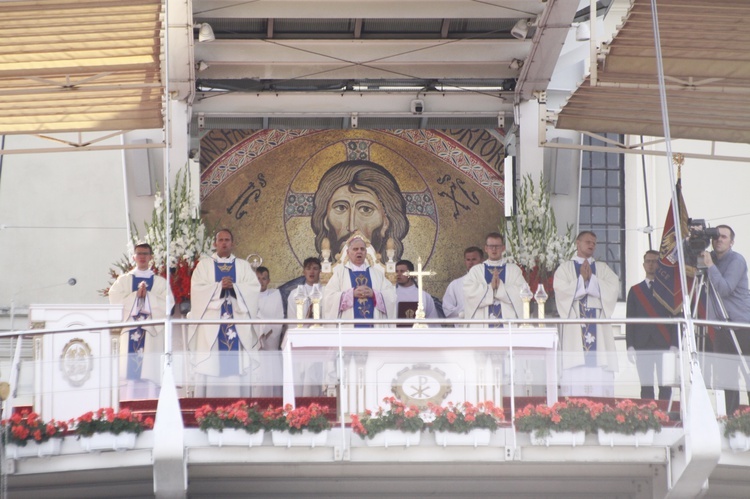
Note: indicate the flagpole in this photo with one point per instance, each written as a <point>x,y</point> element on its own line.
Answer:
<point>675,204</point>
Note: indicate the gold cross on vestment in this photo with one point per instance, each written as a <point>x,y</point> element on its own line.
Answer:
<point>419,274</point>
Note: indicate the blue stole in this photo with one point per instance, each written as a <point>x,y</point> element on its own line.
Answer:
<point>137,336</point>
<point>588,331</point>
<point>496,309</point>
<point>363,307</point>
<point>229,341</point>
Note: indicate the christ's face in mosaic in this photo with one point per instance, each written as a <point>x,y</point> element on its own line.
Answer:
<point>359,195</point>
<point>353,208</point>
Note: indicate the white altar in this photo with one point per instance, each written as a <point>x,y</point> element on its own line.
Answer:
<point>74,372</point>
<point>418,365</point>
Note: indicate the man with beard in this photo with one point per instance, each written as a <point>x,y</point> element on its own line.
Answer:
<point>362,196</point>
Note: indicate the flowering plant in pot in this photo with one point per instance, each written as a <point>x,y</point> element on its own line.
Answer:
<point>532,237</point>
<point>238,415</point>
<point>396,417</point>
<point>628,418</point>
<point>739,422</point>
<point>22,428</point>
<point>572,415</point>
<point>296,420</point>
<point>106,420</point>
<point>462,418</point>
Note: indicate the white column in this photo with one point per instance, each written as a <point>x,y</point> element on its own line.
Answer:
<point>530,156</point>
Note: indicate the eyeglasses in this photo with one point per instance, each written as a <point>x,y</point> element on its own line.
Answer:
<point>143,254</point>
<point>494,246</point>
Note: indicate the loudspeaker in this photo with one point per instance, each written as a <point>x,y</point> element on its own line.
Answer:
<point>561,167</point>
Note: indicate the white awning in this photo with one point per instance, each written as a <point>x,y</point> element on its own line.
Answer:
<point>80,65</point>
<point>706,66</point>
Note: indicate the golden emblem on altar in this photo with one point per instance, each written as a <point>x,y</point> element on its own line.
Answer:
<point>76,362</point>
<point>420,385</point>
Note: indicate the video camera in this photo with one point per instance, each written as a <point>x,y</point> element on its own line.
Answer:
<point>698,240</point>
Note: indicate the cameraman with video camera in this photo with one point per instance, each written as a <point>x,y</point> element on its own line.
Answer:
<point>727,274</point>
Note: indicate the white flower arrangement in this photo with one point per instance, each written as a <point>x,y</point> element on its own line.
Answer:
<point>188,234</point>
<point>189,238</point>
<point>531,237</point>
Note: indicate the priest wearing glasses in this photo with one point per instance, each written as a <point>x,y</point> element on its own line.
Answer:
<point>358,290</point>
<point>144,296</point>
<point>224,356</point>
<point>492,290</point>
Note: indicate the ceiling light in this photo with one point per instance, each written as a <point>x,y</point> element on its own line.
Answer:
<point>583,32</point>
<point>520,29</point>
<point>205,32</point>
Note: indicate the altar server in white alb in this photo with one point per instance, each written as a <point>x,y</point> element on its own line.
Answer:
<point>270,306</point>
<point>311,272</point>
<point>357,290</point>
<point>492,290</point>
<point>407,295</point>
<point>223,356</point>
<point>310,369</point>
<point>587,288</point>
<point>143,296</point>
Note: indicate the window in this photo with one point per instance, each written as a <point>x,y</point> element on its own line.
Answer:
<point>601,204</point>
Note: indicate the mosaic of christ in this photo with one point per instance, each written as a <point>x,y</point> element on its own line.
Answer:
<point>283,192</point>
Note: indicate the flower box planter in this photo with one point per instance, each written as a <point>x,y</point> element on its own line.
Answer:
<point>394,438</point>
<point>108,441</point>
<point>639,438</point>
<point>739,442</point>
<point>34,449</point>
<point>304,439</point>
<point>235,437</point>
<point>474,438</point>
<point>572,438</point>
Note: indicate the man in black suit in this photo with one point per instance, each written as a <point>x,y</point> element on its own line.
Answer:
<point>647,342</point>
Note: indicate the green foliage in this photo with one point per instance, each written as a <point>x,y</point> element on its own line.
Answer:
<point>296,420</point>
<point>239,415</point>
<point>628,418</point>
<point>739,422</point>
<point>568,415</point>
<point>106,420</point>
<point>397,417</point>
<point>465,417</point>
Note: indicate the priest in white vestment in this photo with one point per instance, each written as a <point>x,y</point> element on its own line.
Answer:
<point>453,299</point>
<point>270,306</point>
<point>358,290</point>
<point>407,295</point>
<point>223,356</point>
<point>492,290</point>
<point>143,296</point>
<point>587,288</point>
